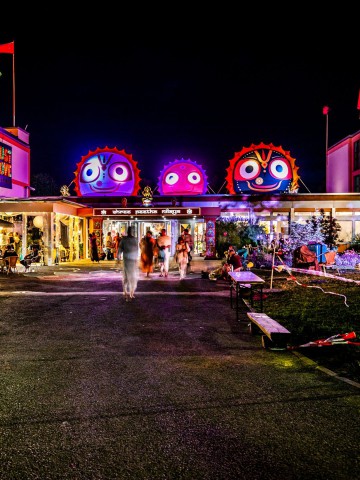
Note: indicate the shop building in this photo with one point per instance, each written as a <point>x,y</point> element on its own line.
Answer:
<point>108,200</point>
<point>61,225</point>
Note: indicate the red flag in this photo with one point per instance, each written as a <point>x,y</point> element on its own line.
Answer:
<point>358,105</point>
<point>7,48</point>
<point>326,110</point>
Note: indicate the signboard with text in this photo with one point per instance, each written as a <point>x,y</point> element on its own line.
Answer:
<point>5,166</point>
<point>147,212</point>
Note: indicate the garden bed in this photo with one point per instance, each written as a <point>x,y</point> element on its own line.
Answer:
<point>316,307</point>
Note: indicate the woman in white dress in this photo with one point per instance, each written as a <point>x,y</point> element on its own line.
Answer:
<point>182,256</point>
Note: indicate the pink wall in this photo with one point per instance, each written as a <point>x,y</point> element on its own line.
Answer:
<point>18,140</point>
<point>340,172</point>
<point>338,169</point>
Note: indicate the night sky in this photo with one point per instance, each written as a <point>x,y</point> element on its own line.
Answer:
<point>165,93</point>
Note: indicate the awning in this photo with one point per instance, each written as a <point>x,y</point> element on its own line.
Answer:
<point>5,224</point>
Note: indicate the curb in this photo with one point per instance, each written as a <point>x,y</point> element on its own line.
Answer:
<point>307,361</point>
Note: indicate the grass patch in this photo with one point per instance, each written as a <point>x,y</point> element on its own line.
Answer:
<point>313,308</point>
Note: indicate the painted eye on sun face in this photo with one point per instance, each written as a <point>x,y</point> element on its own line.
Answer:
<point>120,172</point>
<point>280,169</point>
<point>247,169</point>
<point>90,171</point>
<point>171,178</point>
<point>194,178</point>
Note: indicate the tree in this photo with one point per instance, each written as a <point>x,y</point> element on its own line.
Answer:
<point>237,231</point>
<point>305,233</point>
<point>330,229</point>
<point>318,229</point>
<point>226,234</point>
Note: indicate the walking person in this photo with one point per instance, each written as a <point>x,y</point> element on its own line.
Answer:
<point>109,247</point>
<point>117,240</point>
<point>130,252</point>
<point>182,256</point>
<point>164,245</point>
<point>147,246</point>
<point>94,254</point>
<point>189,240</point>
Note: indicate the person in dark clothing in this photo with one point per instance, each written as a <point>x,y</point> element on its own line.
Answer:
<point>9,252</point>
<point>234,261</point>
<point>94,254</point>
<point>32,256</point>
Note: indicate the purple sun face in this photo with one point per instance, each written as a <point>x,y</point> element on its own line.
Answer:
<point>106,173</point>
<point>182,177</point>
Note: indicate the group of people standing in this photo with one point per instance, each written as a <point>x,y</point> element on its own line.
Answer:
<point>160,249</point>
<point>111,250</point>
<point>152,250</point>
<point>149,249</point>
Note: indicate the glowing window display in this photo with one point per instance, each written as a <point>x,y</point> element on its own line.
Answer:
<point>5,166</point>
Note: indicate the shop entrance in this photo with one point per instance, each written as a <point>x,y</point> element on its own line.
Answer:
<point>154,227</point>
<point>173,229</point>
<point>198,233</point>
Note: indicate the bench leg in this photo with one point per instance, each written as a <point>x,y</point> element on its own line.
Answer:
<point>269,344</point>
<point>253,329</point>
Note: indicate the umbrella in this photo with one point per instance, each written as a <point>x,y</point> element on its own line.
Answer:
<point>5,223</point>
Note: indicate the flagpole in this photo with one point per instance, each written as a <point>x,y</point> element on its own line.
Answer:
<point>326,113</point>
<point>13,73</point>
<point>327,138</point>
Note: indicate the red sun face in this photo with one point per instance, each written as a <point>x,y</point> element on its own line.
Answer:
<point>261,169</point>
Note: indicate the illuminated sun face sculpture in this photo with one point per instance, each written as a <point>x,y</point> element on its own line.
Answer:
<point>182,177</point>
<point>107,172</point>
<point>262,169</point>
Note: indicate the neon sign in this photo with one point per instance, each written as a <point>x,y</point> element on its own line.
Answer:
<point>5,166</point>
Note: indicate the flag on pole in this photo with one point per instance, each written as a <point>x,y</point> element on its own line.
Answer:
<point>358,104</point>
<point>326,110</point>
<point>7,48</point>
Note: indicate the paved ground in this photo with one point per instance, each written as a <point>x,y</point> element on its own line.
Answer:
<point>168,386</point>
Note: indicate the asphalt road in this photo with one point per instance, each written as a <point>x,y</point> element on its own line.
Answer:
<point>168,386</point>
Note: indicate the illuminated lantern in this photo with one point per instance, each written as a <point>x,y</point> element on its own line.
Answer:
<point>107,172</point>
<point>182,177</point>
<point>38,222</point>
<point>261,169</point>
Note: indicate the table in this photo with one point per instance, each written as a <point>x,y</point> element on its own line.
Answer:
<point>242,280</point>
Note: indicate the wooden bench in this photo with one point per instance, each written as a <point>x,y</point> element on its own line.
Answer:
<point>242,283</point>
<point>276,336</point>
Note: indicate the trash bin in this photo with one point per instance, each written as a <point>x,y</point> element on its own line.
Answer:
<point>319,249</point>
